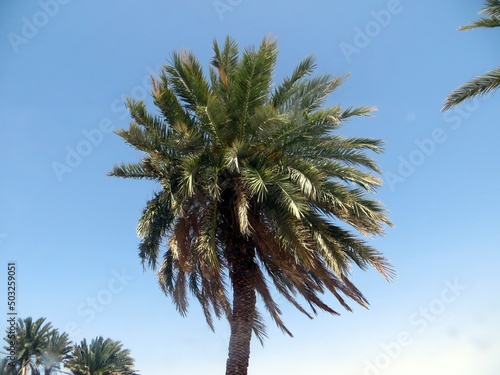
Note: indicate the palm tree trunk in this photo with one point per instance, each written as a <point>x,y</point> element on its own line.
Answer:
<point>242,274</point>
<point>24,367</point>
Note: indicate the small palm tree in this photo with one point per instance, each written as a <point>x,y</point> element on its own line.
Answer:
<point>101,357</point>
<point>255,190</point>
<point>31,340</point>
<point>489,81</point>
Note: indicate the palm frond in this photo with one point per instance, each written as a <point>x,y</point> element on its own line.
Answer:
<point>252,82</point>
<point>258,327</point>
<point>284,90</point>
<point>133,170</point>
<point>154,223</point>
<point>492,9</point>
<point>309,95</point>
<point>187,80</point>
<point>225,60</point>
<point>357,111</point>
<point>483,84</point>
<point>480,85</point>
<point>482,22</point>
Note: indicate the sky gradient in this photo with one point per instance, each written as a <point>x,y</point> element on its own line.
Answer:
<point>67,67</point>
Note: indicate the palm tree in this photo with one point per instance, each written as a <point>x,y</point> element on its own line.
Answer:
<point>101,357</point>
<point>56,352</point>
<point>31,340</point>
<point>255,189</point>
<point>38,347</point>
<point>489,81</point>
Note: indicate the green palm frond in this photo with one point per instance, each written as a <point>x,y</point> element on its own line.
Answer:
<point>259,328</point>
<point>250,83</point>
<point>485,83</point>
<point>134,170</point>
<point>154,223</point>
<point>187,79</point>
<point>480,85</point>
<point>308,95</point>
<point>225,59</point>
<point>357,111</point>
<point>492,10</point>
<point>482,22</point>
<point>285,89</point>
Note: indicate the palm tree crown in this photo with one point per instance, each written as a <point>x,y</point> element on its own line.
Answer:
<point>100,357</point>
<point>489,81</point>
<point>255,189</point>
<point>30,342</point>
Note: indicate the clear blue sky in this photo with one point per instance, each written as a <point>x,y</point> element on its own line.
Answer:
<point>66,67</point>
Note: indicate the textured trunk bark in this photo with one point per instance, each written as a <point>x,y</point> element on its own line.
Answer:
<point>242,274</point>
